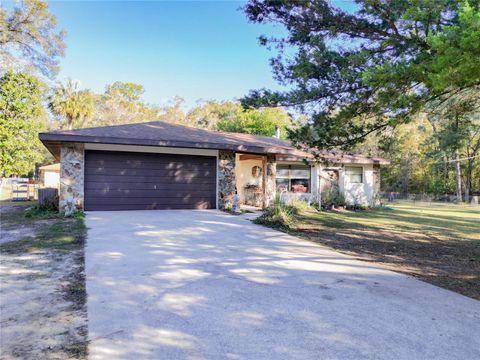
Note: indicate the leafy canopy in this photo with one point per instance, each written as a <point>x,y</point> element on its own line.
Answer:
<point>21,118</point>
<point>257,122</point>
<point>356,73</point>
<point>29,33</point>
<point>74,106</point>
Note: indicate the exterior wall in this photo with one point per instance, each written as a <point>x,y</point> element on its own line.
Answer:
<point>243,175</point>
<point>315,182</point>
<point>270,180</point>
<point>376,184</point>
<point>72,163</point>
<point>226,179</point>
<point>360,194</point>
<point>51,179</point>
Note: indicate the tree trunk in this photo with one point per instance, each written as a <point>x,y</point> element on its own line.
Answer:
<point>69,123</point>
<point>468,179</point>
<point>458,177</point>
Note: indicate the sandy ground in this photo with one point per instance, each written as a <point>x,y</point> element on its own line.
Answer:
<point>37,319</point>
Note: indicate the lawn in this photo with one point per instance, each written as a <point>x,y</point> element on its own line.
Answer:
<point>43,311</point>
<point>437,243</point>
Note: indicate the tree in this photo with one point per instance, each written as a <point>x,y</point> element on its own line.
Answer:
<point>207,114</point>
<point>121,104</point>
<point>73,105</point>
<point>29,32</point>
<point>258,122</point>
<point>174,113</point>
<point>456,121</point>
<point>366,71</point>
<point>129,92</point>
<point>21,118</point>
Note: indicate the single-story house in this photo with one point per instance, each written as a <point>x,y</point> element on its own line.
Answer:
<point>50,175</point>
<point>158,165</point>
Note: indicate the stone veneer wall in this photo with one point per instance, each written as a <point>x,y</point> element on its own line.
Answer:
<point>72,162</point>
<point>226,179</point>
<point>270,181</point>
<point>376,184</point>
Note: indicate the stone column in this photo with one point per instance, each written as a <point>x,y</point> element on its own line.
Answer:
<point>270,180</point>
<point>72,162</point>
<point>226,179</point>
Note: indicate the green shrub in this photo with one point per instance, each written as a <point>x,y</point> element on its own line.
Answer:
<point>77,214</point>
<point>299,206</point>
<point>41,212</point>
<point>278,214</point>
<point>332,198</point>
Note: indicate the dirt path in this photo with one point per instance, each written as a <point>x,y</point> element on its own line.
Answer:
<point>42,313</point>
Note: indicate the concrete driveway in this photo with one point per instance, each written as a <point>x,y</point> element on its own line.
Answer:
<point>207,285</point>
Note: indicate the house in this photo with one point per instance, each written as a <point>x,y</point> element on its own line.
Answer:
<point>158,165</point>
<point>50,175</point>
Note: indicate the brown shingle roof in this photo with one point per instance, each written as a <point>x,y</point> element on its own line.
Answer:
<point>158,133</point>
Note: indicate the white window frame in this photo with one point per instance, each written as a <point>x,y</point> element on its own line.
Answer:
<point>347,179</point>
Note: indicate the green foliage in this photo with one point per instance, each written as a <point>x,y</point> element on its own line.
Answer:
<point>28,32</point>
<point>281,215</point>
<point>208,114</point>
<point>456,50</point>
<point>77,214</point>
<point>74,106</point>
<point>121,104</point>
<point>42,212</point>
<point>258,122</point>
<point>129,92</point>
<point>332,197</point>
<point>356,73</point>
<point>21,118</point>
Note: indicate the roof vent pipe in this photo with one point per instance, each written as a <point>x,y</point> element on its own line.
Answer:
<point>277,132</point>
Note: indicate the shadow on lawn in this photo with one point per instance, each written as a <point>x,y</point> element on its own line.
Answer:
<point>434,249</point>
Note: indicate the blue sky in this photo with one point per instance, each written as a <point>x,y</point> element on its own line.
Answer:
<point>197,50</point>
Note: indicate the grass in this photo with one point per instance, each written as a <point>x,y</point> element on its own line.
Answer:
<point>437,243</point>
<point>58,236</point>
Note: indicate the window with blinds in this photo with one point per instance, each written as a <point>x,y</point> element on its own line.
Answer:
<point>354,174</point>
<point>293,178</point>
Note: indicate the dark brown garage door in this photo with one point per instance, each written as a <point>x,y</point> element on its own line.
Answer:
<point>138,181</point>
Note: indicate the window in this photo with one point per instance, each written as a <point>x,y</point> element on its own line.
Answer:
<point>354,174</point>
<point>294,178</point>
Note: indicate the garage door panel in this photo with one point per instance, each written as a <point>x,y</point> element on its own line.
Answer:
<point>112,207</point>
<point>152,200</point>
<point>153,193</point>
<point>143,179</point>
<point>174,165</point>
<point>207,174</point>
<point>129,181</point>
<point>92,186</point>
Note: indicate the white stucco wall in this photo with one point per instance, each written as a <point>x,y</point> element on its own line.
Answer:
<point>51,179</point>
<point>243,175</point>
<point>361,194</point>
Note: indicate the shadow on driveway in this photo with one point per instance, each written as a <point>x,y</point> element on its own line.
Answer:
<point>208,285</point>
